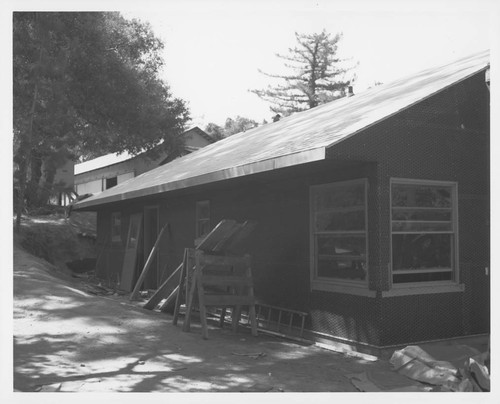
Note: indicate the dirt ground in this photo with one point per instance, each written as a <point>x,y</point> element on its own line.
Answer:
<point>66,339</point>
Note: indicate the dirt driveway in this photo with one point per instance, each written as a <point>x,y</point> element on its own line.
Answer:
<point>68,340</point>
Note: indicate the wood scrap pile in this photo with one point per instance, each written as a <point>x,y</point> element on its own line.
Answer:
<point>97,289</point>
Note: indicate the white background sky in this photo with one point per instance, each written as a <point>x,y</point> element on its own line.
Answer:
<point>213,49</point>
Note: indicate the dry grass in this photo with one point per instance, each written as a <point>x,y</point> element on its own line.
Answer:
<point>55,238</point>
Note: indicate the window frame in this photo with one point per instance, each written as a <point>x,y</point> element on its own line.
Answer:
<point>109,179</point>
<point>198,219</point>
<point>357,287</point>
<point>116,238</point>
<point>437,286</point>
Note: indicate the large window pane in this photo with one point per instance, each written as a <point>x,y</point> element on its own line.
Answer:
<point>341,220</point>
<point>340,196</point>
<point>342,245</point>
<point>421,251</point>
<point>339,231</point>
<point>341,257</point>
<point>424,232</point>
<point>421,196</point>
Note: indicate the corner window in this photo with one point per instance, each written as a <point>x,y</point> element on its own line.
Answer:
<point>202,218</point>
<point>116,227</point>
<point>424,231</point>
<point>339,232</point>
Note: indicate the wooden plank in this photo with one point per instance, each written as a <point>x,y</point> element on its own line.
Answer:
<point>189,303</point>
<point>220,260</point>
<point>228,300</point>
<point>216,235</point>
<point>147,265</point>
<point>201,299</point>
<point>251,308</point>
<point>162,290</point>
<point>226,280</point>
<point>238,239</point>
<point>227,236</point>
<point>130,258</point>
<point>182,281</point>
<point>169,299</point>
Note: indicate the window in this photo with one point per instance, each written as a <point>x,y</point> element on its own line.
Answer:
<point>424,234</point>
<point>111,182</point>
<point>338,232</point>
<point>202,218</point>
<point>116,226</point>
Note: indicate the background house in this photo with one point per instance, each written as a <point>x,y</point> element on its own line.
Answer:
<point>372,210</point>
<point>105,172</point>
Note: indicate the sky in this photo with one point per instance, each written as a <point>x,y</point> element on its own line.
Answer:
<point>214,49</point>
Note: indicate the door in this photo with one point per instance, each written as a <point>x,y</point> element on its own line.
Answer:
<point>151,231</point>
<point>130,260</point>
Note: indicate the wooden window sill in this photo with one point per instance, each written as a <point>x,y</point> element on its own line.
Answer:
<point>408,290</point>
<point>349,289</point>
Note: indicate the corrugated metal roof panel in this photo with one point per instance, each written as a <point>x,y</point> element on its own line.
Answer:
<point>297,139</point>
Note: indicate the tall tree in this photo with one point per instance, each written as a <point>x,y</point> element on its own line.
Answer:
<point>86,84</point>
<point>316,75</point>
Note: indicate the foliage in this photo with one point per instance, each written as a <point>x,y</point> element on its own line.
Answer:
<point>316,75</point>
<point>231,127</point>
<point>86,84</point>
<point>215,131</point>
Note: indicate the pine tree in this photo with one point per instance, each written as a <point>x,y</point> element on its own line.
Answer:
<point>317,75</point>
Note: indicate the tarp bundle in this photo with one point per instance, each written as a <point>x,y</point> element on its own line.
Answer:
<point>471,375</point>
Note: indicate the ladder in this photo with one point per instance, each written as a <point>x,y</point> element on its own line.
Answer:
<point>266,319</point>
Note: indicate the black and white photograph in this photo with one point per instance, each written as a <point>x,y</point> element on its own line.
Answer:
<point>275,197</point>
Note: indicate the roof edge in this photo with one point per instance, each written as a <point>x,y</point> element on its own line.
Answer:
<point>307,156</point>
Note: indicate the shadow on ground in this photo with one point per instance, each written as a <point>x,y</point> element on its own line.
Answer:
<point>68,340</point>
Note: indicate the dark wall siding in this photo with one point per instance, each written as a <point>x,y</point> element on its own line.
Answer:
<point>416,318</point>
<point>354,318</point>
<point>436,147</point>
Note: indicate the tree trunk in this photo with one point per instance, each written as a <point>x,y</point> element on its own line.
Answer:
<point>25,148</point>
<point>33,189</point>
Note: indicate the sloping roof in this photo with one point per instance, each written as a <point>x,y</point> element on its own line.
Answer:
<point>297,139</point>
<point>115,158</point>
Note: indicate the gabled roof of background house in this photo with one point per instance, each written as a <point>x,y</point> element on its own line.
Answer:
<point>297,139</point>
<point>115,158</point>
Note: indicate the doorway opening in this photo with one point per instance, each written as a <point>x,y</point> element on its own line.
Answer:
<point>151,231</point>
